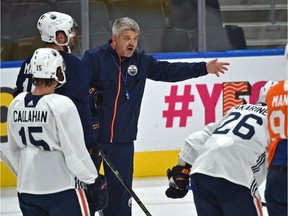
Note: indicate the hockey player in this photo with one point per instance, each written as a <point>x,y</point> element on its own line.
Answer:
<point>58,31</point>
<point>276,183</point>
<point>46,139</point>
<point>228,161</point>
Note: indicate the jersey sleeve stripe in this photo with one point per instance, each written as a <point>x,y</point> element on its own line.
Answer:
<point>83,202</point>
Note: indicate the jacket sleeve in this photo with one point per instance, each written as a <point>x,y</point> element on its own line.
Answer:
<point>174,72</point>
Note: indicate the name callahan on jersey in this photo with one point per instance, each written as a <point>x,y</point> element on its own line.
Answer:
<point>30,116</point>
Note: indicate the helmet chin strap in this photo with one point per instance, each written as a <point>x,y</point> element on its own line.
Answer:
<point>68,49</point>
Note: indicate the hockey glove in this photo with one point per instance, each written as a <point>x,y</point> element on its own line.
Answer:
<point>95,99</point>
<point>178,182</point>
<point>95,155</point>
<point>97,194</point>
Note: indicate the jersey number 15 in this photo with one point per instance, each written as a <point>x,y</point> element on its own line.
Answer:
<point>38,143</point>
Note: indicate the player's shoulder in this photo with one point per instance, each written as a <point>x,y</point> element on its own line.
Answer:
<point>27,60</point>
<point>60,104</point>
<point>98,50</point>
<point>25,65</point>
<point>72,62</point>
<point>280,87</point>
<point>59,100</point>
<point>69,57</point>
<point>93,50</point>
<point>20,97</point>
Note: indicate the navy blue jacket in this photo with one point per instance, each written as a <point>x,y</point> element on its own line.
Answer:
<point>76,88</point>
<point>118,115</point>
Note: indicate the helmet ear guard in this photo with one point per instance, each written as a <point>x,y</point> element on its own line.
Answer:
<point>52,22</point>
<point>264,90</point>
<point>45,64</point>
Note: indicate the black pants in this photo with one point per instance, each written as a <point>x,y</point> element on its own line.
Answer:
<point>276,192</point>
<point>122,157</point>
<point>57,204</point>
<point>219,197</point>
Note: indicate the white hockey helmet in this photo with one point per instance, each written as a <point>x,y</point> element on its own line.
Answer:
<point>52,22</point>
<point>44,65</point>
<point>264,90</point>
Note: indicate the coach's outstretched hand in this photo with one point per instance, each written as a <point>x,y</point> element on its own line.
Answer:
<point>178,182</point>
<point>215,67</point>
<point>97,194</point>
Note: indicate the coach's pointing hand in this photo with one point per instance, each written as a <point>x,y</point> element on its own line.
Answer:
<point>215,67</point>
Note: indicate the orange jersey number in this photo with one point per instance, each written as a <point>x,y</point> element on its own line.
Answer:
<point>277,105</point>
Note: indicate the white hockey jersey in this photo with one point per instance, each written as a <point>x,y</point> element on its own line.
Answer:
<point>234,148</point>
<point>46,140</point>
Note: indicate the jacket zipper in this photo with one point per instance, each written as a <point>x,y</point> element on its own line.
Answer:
<point>116,101</point>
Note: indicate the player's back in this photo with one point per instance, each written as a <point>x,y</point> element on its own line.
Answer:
<point>277,103</point>
<point>76,88</point>
<point>239,142</point>
<point>75,73</point>
<point>33,128</point>
<point>24,82</point>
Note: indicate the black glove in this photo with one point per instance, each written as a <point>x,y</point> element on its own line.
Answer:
<point>178,181</point>
<point>95,99</point>
<point>97,194</point>
<point>95,155</point>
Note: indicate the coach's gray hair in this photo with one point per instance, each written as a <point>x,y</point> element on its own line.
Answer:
<point>123,24</point>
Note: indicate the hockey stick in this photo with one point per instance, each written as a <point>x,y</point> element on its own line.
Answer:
<point>188,187</point>
<point>7,162</point>
<point>124,183</point>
